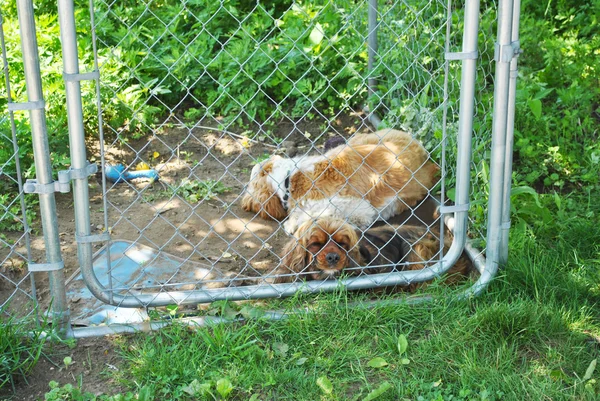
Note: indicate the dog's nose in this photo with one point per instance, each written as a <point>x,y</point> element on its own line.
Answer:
<point>332,258</point>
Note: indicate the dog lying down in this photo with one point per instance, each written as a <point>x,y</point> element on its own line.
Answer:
<point>328,247</point>
<point>373,176</point>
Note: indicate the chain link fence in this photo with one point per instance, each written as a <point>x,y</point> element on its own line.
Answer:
<point>18,299</point>
<point>184,114</point>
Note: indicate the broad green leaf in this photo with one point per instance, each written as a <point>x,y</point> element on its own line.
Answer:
<point>317,34</point>
<point>301,361</point>
<point>383,387</point>
<point>325,385</point>
<point>536,107</point>
<point>402,344</point>
<point>377,362</point>
<point>224,387</point>
<point>590,370</point>
<point>281,348</point>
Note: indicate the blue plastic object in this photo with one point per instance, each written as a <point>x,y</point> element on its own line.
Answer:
<point>118,174</point>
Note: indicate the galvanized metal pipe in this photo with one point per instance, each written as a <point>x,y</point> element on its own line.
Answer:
<point>19,176</point>
<point>510,131</point>
<point>43,163</point>
<point>66,18</point>
<point>372,45</point>
<point>501,86</point>
<point>465,122</point>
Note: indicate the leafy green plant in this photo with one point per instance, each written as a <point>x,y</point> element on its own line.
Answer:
<point>68,392</point>
<point>21,344</point>
<point>198,191</point>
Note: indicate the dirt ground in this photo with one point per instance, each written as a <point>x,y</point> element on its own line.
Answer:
<point>215,231</point>
<point>90,359</point>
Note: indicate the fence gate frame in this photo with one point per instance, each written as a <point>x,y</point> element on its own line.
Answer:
<point>507,50</point>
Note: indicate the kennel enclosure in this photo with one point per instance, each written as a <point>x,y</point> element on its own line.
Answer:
<point>342,68</point>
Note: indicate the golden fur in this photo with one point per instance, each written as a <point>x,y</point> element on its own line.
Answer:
<point>325,248</point>
<point>374,167</point>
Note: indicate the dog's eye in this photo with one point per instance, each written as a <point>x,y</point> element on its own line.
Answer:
<point>343,245</point>
<point>314,245</point>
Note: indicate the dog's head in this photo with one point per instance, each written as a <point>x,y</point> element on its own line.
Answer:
<point>266,188</point>
<point>322,248</point>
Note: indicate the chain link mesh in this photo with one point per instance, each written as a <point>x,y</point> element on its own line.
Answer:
<point>202,92</point>
<point>17,287</point>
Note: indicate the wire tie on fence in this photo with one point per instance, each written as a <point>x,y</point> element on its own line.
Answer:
<point>45,267</point>
<point>37,105</point>
<point>86,76</point>
<point>455,208</point>
<point>32,187</point>
<point>88,239</point>
<point>65,176</point>
<point>462,55</point>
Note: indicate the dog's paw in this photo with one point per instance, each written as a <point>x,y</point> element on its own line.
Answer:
<point>290,225</point>
<point>361,222</point>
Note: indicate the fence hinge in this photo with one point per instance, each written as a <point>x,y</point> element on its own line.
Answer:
<point>86,76</point>
<point>36,105</point>
<point>45,267</point>
<point>87,239</point>
<point>505,53</point>
<point>454,208</point>
<point>32,187</point>
<point>63,184</point>
<point>65,176</point>
<point>462,55</point>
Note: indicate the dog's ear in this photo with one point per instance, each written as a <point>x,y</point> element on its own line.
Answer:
<point>265,203</point>
<point>293,260</point>
<point>272,208</point>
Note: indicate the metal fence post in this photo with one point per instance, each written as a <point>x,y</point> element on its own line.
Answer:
<point>372,45</point>
<point>43,165</point>
<point>465,122</point>
<point>510,128</point>
<point>68,36</point>
<point>503,54</point>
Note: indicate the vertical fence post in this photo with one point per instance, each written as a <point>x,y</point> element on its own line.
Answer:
<point>68,36</point>
<point>372,53</point>
<point>466,111</point>
<point>504,54</point>
<point>43,164</point>
<point>510,130</point>
<point>372,45</point>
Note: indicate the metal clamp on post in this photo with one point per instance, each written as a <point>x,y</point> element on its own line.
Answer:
<point>65,176</point>
<point>46,267</point>
<point>86,76</point>
<point>88,239</point>
<point>505,226</point>
<point>462,56</point>
<point>505,53</point>
<point>32,187</point>
<point>37,105</point>
<point>454,208</point>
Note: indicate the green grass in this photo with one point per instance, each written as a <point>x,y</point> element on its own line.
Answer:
<point>21,344</point>
<point>532,335</point>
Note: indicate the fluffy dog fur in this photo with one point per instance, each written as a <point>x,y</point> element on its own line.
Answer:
<point>375,177</point>
<point>327,247</point>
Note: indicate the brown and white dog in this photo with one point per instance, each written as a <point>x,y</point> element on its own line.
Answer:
<point>325,248</point>
<point>372,177</point>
